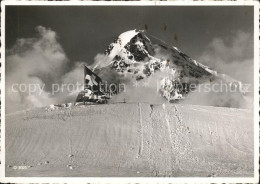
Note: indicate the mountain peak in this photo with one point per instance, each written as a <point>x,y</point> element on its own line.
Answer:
<point>125,37</point>
<point>132,54</point>
<point>122,43</point>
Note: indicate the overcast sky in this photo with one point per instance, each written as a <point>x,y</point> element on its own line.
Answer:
<point>85,31</point>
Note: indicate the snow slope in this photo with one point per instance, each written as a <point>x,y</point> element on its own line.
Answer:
<point>130,140</point>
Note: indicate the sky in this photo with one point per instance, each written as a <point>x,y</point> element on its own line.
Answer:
<point>84,31</point>
<point>47,45</point>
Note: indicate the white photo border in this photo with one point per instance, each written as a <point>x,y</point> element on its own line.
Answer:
<point>254,179</point>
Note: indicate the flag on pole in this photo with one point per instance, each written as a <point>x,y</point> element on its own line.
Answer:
<point>92,81</point>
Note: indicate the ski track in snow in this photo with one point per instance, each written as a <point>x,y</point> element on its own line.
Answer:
<point>131,140</point>
<point>141,130</point>
<point>171,141</point>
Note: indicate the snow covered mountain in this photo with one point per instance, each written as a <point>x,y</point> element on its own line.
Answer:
<point>134,54</point>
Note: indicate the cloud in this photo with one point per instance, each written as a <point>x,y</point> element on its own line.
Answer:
<point>41,57</point>
<point>206,95</point>
<point>100,61</point>
<point>146,90</point>
<point>36,62</point>
<point>233,56</point>
<point>74,75</point>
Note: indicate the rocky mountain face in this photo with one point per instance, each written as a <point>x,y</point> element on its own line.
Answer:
<point>135,56</point>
